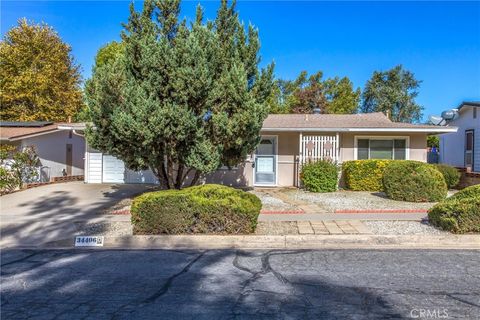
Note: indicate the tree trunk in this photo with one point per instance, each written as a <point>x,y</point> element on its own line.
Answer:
<point>179,178</point>
<point>169,170</point>
<point>195,178</point>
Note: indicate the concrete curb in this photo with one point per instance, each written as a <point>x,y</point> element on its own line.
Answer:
<point>283,242</point>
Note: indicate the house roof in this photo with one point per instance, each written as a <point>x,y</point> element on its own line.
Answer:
<point>17,130</point>
<point>469,104</point>
<point>362,122</point>
<point>373,122</point>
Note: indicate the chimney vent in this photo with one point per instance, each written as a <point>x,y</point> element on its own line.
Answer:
<point>388,113</point>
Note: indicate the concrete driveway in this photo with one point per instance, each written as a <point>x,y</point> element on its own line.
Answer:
<point>46,213</point>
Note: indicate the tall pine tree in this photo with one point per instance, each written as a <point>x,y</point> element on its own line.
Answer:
<point>182,99</point>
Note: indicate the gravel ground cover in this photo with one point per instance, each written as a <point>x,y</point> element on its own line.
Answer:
<point>402,228</point>
<point>272,203</point>
<point>353,200</point>
<point>123,204</point>
<point>112,228</point>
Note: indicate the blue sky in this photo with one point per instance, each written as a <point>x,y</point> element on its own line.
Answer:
<point>438,41</point>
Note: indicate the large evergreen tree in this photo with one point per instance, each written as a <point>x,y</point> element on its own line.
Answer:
<point>39,79</point>
<point>394,92</point>
<point>181,100</point>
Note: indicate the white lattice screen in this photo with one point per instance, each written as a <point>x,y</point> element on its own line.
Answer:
<point>319,147</point>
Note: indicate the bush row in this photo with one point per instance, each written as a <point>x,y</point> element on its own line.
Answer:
<point>210,208</point>
<point>403,180</point>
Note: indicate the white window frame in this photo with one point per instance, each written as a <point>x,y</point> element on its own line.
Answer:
<point>406,138</point>
<point>276,162</point>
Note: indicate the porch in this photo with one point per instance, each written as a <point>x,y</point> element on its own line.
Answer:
<point>280,155</point>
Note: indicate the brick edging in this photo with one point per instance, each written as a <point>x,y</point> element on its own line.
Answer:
<point>282,212</point>
<point>381,211</point>
<point>119,212</point>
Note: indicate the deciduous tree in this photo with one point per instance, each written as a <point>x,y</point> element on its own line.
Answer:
<point>394,92</point>
<point>302,95</point>
<point>39,79</point>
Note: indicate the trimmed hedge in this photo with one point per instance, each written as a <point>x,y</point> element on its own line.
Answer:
<point>473,191</point>
<point>460,213</point>
<point>414,181</point>
<point>320,176</point>
<point>450,174</point>
<point>201,209</point>
<point>364,175</point>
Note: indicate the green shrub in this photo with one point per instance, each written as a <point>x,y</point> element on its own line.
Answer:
<point>320,176</point>
<point>450,174</point>
<point>413,181</point>
<point>459,213</point>
<point>472,191</point>
<point>364,175</point>
<point>200,209</point>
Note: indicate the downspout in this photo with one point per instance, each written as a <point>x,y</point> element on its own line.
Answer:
<point>85,156</point>
<point>300,157</point>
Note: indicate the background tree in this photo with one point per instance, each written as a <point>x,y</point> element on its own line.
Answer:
<point>333,95</point>
<point>433,141</point>
<point>39,79</point>
<point>340,96</point>
<point>182,100</point>
<point>107,54</point>
<point>393,91</point>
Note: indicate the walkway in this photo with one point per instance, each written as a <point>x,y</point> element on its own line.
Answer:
<point>331,227</point>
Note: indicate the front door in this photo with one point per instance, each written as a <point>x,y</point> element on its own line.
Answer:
<point>265,164</point>
<point>68,161</point>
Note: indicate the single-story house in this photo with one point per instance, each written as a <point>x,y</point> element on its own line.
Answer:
<point>287,141</point>
<point>462,148</point>
<point>61,152</point>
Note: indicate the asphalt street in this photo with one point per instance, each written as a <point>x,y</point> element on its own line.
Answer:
<point>229,284</point>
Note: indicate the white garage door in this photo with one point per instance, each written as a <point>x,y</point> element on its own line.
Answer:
<point>94,173</point>
<point>113,170</point>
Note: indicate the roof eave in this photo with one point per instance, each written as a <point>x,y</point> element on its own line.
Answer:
<point>30,135</point>
<point>407,130</point>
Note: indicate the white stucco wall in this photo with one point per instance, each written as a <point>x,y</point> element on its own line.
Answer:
<point>452,145</point>
<point>51,149</point>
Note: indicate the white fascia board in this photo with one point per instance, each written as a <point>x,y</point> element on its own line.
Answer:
<point>407,130</point>
<point>413,130</point>
<point>304,129</point>
<point>67,127</point>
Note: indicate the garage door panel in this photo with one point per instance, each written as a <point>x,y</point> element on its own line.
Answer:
<point>94,168</point>
<point>113,170</point>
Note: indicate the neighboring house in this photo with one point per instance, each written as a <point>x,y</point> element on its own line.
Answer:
<point>60,151</point>
<point>462,148</point>
<point>290,140</point>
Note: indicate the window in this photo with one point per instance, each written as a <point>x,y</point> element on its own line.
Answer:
<point>474,113</point>
<point>469,143</point>
<point>381,149</point>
